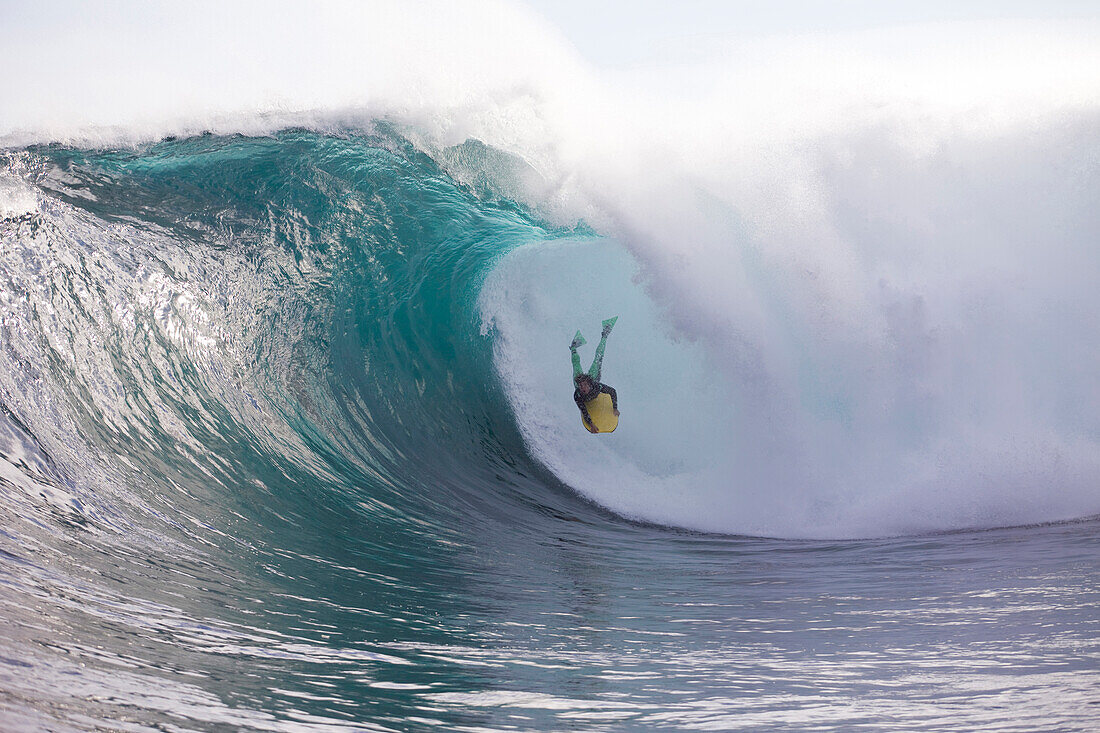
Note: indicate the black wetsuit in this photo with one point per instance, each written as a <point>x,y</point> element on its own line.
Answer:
<point>581,399</point>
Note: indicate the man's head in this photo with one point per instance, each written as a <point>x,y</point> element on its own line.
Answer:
<point>585,383</point>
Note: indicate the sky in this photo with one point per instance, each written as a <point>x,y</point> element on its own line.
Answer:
<point>71,65</point>
<point>651,32</point>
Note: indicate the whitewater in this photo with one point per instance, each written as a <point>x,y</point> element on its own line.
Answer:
<point>287,437</point>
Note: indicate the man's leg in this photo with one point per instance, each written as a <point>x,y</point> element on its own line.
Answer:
<point>597,363</point>
<point>578,340</point>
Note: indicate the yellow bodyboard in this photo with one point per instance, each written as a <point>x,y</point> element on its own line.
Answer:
<point>602,414</point>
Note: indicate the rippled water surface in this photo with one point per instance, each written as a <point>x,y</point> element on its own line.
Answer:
<point>595,627</point>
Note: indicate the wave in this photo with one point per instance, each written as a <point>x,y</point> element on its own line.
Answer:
<point>310,310</point>
<point>855,300</point>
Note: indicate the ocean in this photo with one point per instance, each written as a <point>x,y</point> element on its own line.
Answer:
<point>287,438</point>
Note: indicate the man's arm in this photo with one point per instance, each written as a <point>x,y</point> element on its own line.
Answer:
<point>614,396</point>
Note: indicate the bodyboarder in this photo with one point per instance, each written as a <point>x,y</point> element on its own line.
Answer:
<point>588,385</point>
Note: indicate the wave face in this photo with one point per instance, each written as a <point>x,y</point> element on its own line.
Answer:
<point>297,408</point>
<point>855,270</point>
<point>349,305</point>
<point>293,310</point>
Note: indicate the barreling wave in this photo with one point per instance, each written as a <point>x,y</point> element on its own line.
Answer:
<point>855,270</point>
<point>216,319</point>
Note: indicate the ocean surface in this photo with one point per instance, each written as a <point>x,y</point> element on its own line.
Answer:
<point>287,438</point>
<point>261,470</point>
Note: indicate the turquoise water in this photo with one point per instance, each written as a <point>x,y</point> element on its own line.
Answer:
<point>280,450</point>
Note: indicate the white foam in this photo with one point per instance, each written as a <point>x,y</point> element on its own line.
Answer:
<point>17,198</point>
<point>675,424</point>
<point>877,246</point>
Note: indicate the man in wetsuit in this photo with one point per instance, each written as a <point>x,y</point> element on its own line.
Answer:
<point>588,384</point>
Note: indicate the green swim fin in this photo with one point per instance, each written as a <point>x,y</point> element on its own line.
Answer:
<point>608,325</point>
<point>578,340</point>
